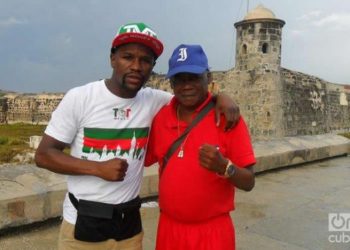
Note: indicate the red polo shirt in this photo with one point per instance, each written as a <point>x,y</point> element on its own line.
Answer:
<point>187,191</point>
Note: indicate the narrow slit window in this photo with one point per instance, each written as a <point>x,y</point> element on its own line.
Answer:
<point>244,49</point>
<point>265,48</point>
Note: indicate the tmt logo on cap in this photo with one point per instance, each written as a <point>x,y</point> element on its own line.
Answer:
<point>138,33</point>
<point>187,58</point>
<point>137,28</point>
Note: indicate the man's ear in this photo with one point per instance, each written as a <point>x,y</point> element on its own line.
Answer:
<point>111,59</point>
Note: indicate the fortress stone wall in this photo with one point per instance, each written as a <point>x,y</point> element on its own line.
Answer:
<point>314,106</point>
<point>275,102</point>
<point>34,109</point>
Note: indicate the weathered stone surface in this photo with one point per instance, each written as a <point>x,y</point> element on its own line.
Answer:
<point>29,108</point>
<point>34,141</point>
<point>289,151</point>
<point>29,194</point>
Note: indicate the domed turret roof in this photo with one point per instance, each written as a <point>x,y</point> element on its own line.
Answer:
<point>260,12</point>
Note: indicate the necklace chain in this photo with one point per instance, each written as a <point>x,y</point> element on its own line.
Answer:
<point>181,152</point>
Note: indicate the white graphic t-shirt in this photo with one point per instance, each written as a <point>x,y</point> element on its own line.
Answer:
<point>100,126</point>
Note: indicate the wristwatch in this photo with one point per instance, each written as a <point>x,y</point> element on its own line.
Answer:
<point>230,170</point>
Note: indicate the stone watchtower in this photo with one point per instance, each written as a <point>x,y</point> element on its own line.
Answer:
<point>258,62</point>
<point>258,41</point>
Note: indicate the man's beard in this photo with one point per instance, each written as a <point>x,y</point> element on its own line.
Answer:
<point>125,86</point>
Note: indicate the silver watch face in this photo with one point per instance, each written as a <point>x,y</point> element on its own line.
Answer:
<point>231,170</point>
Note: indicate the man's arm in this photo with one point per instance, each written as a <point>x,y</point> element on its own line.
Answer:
<point>50,155</point>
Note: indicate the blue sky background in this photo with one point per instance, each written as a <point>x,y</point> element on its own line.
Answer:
<point>52,46</point>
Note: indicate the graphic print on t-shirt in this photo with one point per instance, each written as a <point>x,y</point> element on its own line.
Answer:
<point>109,143</point>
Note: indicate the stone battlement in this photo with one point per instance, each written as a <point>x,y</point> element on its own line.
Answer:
<point>33,108</point>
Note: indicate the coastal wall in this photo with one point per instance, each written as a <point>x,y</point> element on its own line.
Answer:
<point>314,106</point>
<point>35,109</point>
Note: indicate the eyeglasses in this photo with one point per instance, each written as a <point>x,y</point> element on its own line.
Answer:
<point>187,77</point>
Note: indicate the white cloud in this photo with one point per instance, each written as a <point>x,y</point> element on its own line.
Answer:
<point>334,21</point>
<point>297,32</point>
<point>10,22</point>
<point>311,15</point>
<point>322,21</point>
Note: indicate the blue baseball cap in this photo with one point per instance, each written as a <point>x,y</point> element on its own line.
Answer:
<point>187,58</point>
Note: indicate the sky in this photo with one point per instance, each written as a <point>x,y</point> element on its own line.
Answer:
<point>52,46</point>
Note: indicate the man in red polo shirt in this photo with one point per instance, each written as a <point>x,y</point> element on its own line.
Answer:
<point>197,184</point>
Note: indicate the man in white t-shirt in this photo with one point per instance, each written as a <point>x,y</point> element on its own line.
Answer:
<point>106,125</point>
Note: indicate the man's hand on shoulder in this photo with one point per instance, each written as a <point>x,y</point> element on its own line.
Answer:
<point>227,106</point>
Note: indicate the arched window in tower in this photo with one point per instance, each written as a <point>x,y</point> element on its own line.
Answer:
<point>244,49</point>
<point>265,48</point>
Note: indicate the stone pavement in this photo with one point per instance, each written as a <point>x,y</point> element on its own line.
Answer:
<point>286,210</point>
